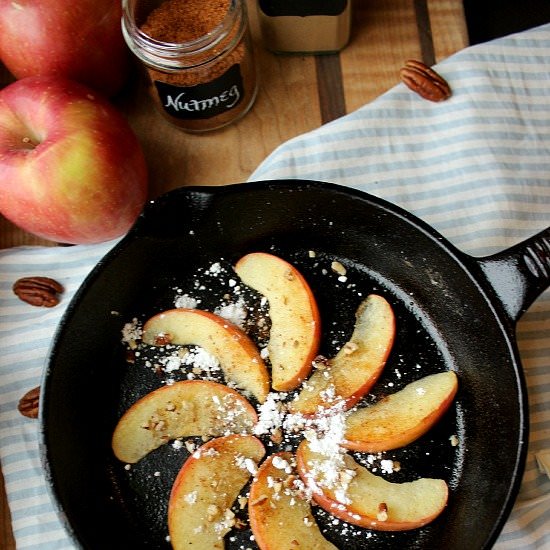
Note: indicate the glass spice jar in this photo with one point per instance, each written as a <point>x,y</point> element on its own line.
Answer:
<point>198,56</point>
<point>305,26</point>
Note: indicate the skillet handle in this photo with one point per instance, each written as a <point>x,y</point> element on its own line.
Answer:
<point>520,274</point>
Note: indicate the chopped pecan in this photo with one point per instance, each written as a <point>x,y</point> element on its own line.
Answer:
<point>163,339</point>
<point>382,514</point>
<point>38,291</point>
<point>28,404</point>
<point>425,81</point>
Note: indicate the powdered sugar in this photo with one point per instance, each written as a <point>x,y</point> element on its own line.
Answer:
<point>276,426</point>
<point>186,301</point>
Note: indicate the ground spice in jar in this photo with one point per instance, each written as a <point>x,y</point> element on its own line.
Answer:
<point>181,21</point>
<point>198,57</point>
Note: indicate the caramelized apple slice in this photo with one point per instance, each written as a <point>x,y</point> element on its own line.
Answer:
<point>295,321</point>
<point>238,355</point>
<point>358,364</point>
<point>399,419</point>
<point>280,517</point>
<point>354,494</point>
<point>210,480</point>
<point>184,409</point>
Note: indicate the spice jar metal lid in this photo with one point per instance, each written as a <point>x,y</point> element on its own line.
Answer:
<point>305,26</point>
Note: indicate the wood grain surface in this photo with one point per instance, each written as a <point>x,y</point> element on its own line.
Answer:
<point>297,94</point>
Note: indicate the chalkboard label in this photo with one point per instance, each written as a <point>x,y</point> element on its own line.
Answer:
<point>303,8</point>
<point>202,100</point>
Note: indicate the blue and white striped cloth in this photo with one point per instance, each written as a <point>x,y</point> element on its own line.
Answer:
<point>476,167</point>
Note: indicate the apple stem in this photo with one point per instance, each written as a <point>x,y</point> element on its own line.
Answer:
<point>30,144</point>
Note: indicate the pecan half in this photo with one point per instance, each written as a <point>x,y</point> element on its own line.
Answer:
<point>28,404</point>
<point>38,291</point>
<point>425,81</point>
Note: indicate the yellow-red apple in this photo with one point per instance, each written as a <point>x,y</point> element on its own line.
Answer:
<point>279,514</point>
<point>71,168</point>
<point>295,321</point>
<point>209,482</point>
<point>80,40</point>
<point>183,409</point>
<point>237,354</point>
<point>357,366</point>
<point>401,418</point>
<point>368,500</point>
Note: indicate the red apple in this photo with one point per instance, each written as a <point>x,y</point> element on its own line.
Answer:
<point>280,515</point>
<point>352,372</point>
<point>183,409</point>
<point>352,493</point>
<point>71,168</point>
<point>239,358</point>
<point>403,417</point>
<point>78,40</point>
<point>295,331</point>
<point>207,485</point>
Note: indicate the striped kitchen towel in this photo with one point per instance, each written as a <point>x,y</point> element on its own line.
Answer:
<point>476,167</point>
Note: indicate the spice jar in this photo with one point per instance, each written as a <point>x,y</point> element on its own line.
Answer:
<point>305,26</point>
<point>198,56</point>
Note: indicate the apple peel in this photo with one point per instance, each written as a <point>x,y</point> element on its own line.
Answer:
<point>295,331</point>
<point>368,500</point>
<point>280,516</point>
<point>237,354</point>
<point>184,409</point>
<point>207,485</point>
<point>403,417</point>
<point>357,366</point>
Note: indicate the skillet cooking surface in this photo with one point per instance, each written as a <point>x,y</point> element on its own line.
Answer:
<point>444,319</point>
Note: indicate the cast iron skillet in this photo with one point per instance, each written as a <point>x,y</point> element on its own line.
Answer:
<point>453,312</point>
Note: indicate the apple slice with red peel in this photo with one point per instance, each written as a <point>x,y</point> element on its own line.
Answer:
<point>357,366</point>
<point>183,409</point>
<point>280,516</point>
<point>237,354</point>
<point>295,321</point>
<point>210,480</point>
<point>362,498</point>
<point>401,418</point>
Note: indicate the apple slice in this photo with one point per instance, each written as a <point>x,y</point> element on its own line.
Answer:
<point>295,321</point>
<point>352,493</point>
<point>356,367</point>
<point>280,517</point>
<point>199,509</point>
<point>399,419</point>
<point>237,354</point>
<point>184,409</point>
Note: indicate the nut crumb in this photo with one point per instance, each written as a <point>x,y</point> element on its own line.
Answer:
<point>382,514</point>
<point>337,267</point>
<point>163,339</point>
<point>259,500</point>
<point>350,347</point>
<point>211,512</point>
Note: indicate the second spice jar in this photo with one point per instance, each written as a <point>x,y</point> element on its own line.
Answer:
<point>198,56</point>
<point>305,26</point>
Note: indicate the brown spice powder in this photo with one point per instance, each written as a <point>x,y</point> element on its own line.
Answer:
<point>180,21</point>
